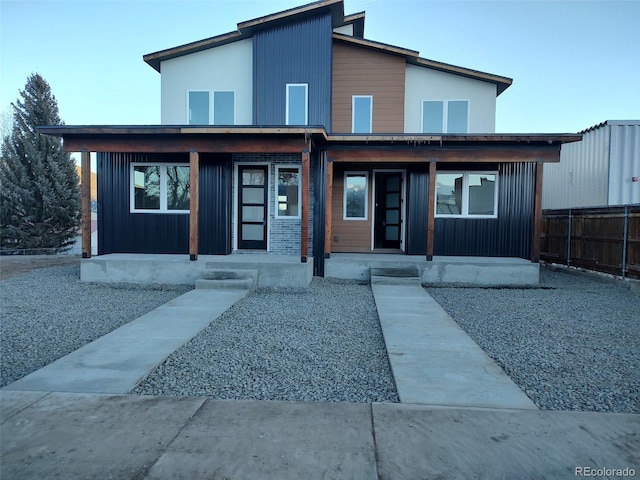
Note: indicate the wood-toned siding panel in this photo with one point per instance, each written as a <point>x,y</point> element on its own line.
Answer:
<point>352,235</point>
<point>360,71</point>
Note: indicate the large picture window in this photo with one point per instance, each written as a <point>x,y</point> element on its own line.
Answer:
<point>446,116</point>
<point>356,195</point>
<point>160,188</point>
<point>297,104</point>
<point>467,194</point>
<point>288,191</point>
<point>361,113</point>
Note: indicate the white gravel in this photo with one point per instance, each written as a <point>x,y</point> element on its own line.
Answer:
<point>323,343</point>
<point>572,345</point>
<point>48,313</point>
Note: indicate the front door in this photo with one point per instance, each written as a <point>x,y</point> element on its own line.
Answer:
<point>387,229</point>
<point>252,207</point>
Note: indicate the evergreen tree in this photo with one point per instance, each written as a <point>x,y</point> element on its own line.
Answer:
<point>39,191</point>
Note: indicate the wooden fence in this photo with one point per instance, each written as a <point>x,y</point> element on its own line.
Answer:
<point>605,239</point>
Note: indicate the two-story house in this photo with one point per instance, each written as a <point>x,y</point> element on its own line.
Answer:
<point>295,135</point>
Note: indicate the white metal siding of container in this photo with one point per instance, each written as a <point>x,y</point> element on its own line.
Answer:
<point>581,178</point>
<point>624,163</point>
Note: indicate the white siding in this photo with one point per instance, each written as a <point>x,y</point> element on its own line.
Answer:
<point>227,67</point>
<point>345,30</point>
<point>596,171</point>
<point>428,84</point>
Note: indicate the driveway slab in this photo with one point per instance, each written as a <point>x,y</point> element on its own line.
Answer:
<point>246,440</point>
<point>415,442</point>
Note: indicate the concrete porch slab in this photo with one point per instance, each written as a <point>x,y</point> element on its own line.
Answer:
<point>487,271</point>
<point>272,270</point>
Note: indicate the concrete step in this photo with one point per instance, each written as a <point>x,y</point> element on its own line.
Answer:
<point>395,275</point>
<point>226,284</point>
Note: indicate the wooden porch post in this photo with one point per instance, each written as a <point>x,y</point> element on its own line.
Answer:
<point>85,201</point>
<point>194,175</point>
<point>431,209</point>
<point>537,215</point>
<point>304,234</point>
<point>327,210</point>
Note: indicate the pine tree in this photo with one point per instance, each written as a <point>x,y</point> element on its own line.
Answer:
<point>39,191</point>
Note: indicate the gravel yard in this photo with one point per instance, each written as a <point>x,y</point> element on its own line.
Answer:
<point>48,313</point>
<point>322,343</point>
<point>573,345</point>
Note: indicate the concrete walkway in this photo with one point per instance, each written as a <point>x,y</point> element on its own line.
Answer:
<point>75,436</point>
<point>116,362</point>
<point>434,361</point>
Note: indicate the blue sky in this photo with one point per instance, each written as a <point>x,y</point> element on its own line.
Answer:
<point>574,63</point>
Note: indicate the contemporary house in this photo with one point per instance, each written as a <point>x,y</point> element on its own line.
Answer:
<point>295,138</point>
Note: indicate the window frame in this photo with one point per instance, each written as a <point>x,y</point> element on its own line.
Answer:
<point>445,113</point>
<point>162,168</point>
<point>306,101</point>
<point>277,185</point>
<point>189,92</point>
<point>353,113</point>
<point>465,194</point>
<point>366,196</point>
<point>212,103</point>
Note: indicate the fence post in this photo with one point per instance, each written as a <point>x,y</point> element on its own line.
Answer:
<point>625,232</point>
<point>569,241</point>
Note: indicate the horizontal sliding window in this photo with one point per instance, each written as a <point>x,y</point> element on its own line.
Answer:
<point>159,188</point>
<point>467,194</point>
<point>288,192</point>
<point>445,116</point>
<point>355,195</point>
<point>211,108</point>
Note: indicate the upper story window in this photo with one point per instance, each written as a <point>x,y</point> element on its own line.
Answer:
<point>355,195</point>
<point>361,113</point>
<point>288,191</point>
<point>297,104</point>
<point>448,116</point>
<point>160,188</point>
<point>467,194</point>
<point>212,108</point>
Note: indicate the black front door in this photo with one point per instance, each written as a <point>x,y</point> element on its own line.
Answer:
<point>252,207</point>
<point>387,231</point>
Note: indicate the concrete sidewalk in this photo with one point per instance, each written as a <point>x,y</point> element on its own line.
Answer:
<point>434,361</point>
<point>82,436</point>
<point>116,362</point>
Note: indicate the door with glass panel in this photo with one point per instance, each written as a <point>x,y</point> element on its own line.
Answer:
<point>387,230</point>
<point>252,207</point>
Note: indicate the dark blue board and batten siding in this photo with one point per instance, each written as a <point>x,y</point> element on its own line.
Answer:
<point>121,231</point>
<point>293,53</point>
<point>509,235</point>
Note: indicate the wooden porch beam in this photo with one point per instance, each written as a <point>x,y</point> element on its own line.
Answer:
<point>85,201</point>
<point>514,154</point>
<point>327,210</point>
<point>431,208</point>
<point>304,233</point>
<point>537,215</point>
<point>194,178</point>
<point>183,143</point>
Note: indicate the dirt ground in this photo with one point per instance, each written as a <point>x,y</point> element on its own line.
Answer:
<point>11,265</point>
